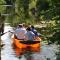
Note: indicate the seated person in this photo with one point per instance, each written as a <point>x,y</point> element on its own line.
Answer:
<point>20,32</point>
<point>34,31</point>
<point>29,35</point>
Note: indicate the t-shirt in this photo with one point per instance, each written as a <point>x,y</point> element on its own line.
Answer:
<point>20,33</point>
<point>30,35</point>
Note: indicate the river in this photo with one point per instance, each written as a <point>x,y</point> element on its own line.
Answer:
<point>7,53</point>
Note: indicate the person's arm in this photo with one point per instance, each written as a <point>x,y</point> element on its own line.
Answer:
<point>32,34</point>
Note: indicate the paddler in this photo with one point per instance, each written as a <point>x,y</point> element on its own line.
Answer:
<point>20,32</point>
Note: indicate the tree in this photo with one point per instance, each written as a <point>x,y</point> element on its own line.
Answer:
<point>41,6</point>
<point>8,2</point>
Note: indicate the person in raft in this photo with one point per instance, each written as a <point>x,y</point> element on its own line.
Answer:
<point>20,32</point>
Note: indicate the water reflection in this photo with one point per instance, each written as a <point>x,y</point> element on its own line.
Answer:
<point>7,53</point>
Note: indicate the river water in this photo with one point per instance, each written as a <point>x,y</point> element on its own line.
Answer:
<point>7,53</point>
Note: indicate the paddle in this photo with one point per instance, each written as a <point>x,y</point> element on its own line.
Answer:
<point>4,33</point>
<point>22,40</point>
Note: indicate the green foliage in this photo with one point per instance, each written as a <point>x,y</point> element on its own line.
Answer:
<point>32,12</point>
<point>1,7</point>
<point>41,6</point>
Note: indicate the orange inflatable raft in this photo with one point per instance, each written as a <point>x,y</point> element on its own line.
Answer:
<point>21,46</point>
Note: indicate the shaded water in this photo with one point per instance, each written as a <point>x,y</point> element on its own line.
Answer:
<point>7,53</point>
